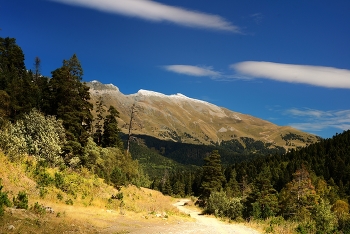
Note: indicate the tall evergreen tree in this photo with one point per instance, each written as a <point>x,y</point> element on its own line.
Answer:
<point>15,81</point>
<point>213,177</point>
<point>70,102</point>
<point>99,119</point>
<point>262,202</point>
<point>299,196</point>
<point>111,130</point>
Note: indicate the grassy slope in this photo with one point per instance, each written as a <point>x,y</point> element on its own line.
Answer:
<point>92,208</point>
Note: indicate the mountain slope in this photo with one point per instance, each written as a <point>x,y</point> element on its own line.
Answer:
<point>183,119</point>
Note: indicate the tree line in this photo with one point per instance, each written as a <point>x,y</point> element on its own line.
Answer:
<point>50,118</point>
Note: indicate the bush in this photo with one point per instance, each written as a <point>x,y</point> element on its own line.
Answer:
<point>38,209</point>
<point>21,201</point>
<point>69,202</point>
<point>4,200</point>
<point>217,204</point>
<point>306,228</point>
<point>234,209</point>
<point>324,218</point>
<point>59,181</point>
<point>118,196</point>
<point>59,196</point>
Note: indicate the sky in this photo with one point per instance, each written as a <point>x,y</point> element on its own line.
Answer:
<point>287,62</point>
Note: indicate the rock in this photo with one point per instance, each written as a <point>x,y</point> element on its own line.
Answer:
<point>49,210</point>
<point>11,227</point>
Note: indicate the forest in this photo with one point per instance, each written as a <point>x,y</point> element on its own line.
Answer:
<point>50,119</point>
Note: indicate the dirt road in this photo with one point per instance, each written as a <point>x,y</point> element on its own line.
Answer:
<point>205,224</point>
<point>202,224</point>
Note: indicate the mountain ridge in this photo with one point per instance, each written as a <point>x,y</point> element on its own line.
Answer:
<point>180,118</point>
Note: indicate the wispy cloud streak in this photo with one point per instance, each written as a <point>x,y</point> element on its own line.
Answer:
<point>154,11</point>
<point>313,75</point>
<point>317,120</point>
<point>193,70</point>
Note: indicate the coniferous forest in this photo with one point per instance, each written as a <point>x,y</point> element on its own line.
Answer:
<point>50,119</point>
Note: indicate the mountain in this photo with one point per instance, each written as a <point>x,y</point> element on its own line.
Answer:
<point>183,119</point>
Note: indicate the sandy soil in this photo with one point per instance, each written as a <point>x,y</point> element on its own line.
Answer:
<point>199,224</point>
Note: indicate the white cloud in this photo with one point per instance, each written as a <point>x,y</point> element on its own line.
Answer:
<point>154,11</point>
<point>313,75</point>
<point>193,70</point>
<point>317,120</point>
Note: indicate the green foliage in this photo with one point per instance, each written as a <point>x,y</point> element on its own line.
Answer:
<point>70,103</point>
<point>38,209</point>
<point>4,200</point>
<point>21,201</point>
<point>118,196</point>
<point>69,202</point>
<point>42,178</point>
<point>59,196</point>
<point>213,177</point>
<point>217,204</point>
<point>36,135</point>
<point>222,206</point>
<point>306,227</point>
<point>262,202</point>
<point>234,209</point>
<point>299,196</point>
<point>117,177</point>
<point>59,181</point>
<point>44,135</point>
<point>99,118</point>
<point>325,220</point>
<point>110,137</point>
<point>12,141</point>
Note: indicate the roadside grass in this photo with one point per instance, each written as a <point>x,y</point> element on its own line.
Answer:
<point>81,201</point>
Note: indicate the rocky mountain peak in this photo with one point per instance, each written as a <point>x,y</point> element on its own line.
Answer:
<point>180,118</point>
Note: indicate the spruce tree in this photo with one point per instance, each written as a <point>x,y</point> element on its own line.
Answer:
<point>70,103</point>
<point>213,177</point>
<point>262,202</point>
<point>111,130</point>
<point>99,119</point>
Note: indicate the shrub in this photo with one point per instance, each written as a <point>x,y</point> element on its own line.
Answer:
<point>59,196</point>
<point>59,181</point>
<point>12,141</point>
<point>43,178</point>
<point>4,200</point>
<point>306,227</point>
<point>21,201</point>
<point>234,209</point>
<point>38,209</point>
<point>118,196</point>
<point>324,218</point>
<point>217,204</point>
<point>69,202</point>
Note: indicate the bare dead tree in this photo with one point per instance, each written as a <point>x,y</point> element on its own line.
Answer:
<point>132,115</point>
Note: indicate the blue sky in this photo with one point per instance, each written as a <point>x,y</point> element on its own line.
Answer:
<point>287,62</point>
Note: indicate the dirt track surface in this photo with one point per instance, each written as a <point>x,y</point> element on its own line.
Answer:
<point>201,224</point>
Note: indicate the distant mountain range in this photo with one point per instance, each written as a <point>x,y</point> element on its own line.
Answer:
<point>183,119</point>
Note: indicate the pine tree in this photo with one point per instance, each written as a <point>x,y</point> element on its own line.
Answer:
<point>15,81</point>
<point>98,126</point>
<point>213,177</point>
<point>70,102</point>
<point>299,196</point>
<point>232,188</point>
<point>111,130</point>
<point>262,202</point>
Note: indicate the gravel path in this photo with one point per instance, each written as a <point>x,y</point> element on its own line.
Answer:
<point>203,224</point>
